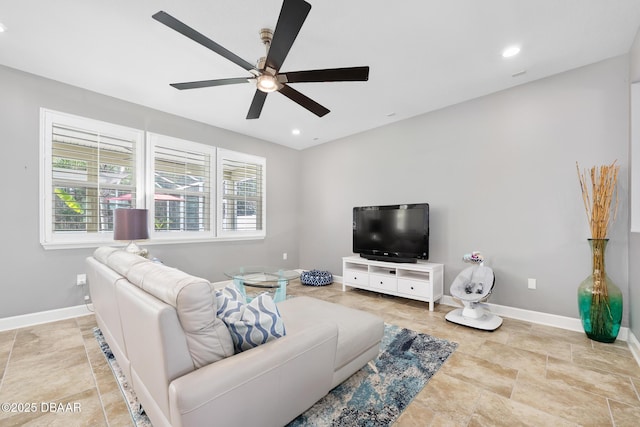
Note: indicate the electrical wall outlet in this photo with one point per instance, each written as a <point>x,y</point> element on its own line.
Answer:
<point>81,279</point>
<point>532,283</point>
<point>284,255</point>
<point>87,298</point>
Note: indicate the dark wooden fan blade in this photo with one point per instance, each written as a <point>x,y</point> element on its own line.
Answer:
<point>303,100</point>
<point>256,104</point>
<point>209,83</point>
<point>187,31</point>
<point>352,74</point>
<point>292,16</point>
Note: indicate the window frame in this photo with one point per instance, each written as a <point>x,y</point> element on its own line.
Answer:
<point>48,238</point>
<point>223,154</point>
<point>634,191</point>
<point>144,187</point>
<point>155,139</point>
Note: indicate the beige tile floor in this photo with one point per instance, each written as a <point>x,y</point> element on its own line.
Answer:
<point>522,374</point>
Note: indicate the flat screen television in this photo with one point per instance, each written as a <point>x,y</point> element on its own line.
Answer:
<point>398,233</point>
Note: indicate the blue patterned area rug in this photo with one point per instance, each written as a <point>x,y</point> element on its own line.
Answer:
<point>138,416</point>
<point>377,394</point>
<point>374,396</point>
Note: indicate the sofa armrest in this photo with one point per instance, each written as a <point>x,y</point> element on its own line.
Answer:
<point>268,385</point>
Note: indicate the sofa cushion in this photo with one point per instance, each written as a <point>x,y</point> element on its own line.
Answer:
<point>358,330</point>
<point>251,324</point>
<point>117,259</point>
<point>207,336</point>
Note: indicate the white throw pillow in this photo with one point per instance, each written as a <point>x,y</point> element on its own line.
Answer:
<point>250,324</point>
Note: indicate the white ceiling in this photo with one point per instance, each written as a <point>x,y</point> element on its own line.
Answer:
<point>423,54</point>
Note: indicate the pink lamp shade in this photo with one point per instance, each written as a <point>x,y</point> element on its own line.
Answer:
<point>130,224</point>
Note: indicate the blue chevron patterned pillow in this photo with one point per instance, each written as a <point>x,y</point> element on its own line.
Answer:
<point>250,324</point>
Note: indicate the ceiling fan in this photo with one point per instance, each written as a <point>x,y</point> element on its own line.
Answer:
<point>266,73</point>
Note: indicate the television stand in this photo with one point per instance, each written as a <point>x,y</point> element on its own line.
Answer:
<point>422,281</point>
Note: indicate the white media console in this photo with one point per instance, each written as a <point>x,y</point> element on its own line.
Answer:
<point>421,281</point>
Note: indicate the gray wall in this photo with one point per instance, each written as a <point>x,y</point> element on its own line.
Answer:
<point>634,238</point>
<point>499,173</point>
<point>33,279</point>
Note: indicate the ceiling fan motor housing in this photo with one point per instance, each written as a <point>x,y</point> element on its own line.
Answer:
<point>266,35</point>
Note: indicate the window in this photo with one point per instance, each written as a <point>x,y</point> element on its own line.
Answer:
<point>89,168</point>
<point>182,192</point>
<point>241,204</point>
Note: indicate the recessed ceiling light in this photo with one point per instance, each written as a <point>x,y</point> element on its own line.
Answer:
<point>510,51</point>
<point>2,28</point>
<point>295,131</point>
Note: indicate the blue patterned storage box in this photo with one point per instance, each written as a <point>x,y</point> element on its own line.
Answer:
<point>316,278</point>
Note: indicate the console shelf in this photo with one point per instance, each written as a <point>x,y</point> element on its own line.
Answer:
<point>422,281</point>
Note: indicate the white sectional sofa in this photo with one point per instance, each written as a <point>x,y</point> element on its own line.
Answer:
<point>161,325</point>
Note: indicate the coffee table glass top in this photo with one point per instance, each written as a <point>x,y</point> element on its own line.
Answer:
<point>262,277</point>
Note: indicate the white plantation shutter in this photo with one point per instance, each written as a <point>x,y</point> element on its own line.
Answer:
<point>90,168</point>
<point>241,194</point>
<point>182,191</point>
<point>193,191</point>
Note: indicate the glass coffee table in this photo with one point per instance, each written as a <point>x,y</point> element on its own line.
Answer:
<point>262,279</point>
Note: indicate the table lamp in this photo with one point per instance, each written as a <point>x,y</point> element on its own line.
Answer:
<point>131,225</point>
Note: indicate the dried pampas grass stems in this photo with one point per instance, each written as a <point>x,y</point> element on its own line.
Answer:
<point>599,196</point>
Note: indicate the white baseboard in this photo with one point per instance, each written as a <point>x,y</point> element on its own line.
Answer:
<point>31,319</point>
<point>563,322</point>
<point>221,284</point>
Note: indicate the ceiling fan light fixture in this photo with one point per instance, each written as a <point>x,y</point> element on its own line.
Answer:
<point>267,83</point>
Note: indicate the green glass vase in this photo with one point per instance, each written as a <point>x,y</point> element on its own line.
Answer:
<point>599,299</point>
